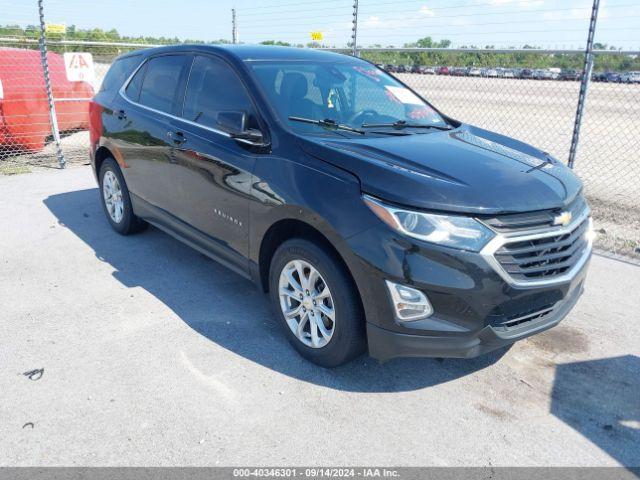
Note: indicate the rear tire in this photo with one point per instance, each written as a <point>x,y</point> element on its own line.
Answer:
<point>115,199</point>
<point>320,294</point>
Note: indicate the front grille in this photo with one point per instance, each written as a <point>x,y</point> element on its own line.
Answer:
<point>543,257</point>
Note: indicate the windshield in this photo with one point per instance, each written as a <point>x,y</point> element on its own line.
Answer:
<point>351,93</point>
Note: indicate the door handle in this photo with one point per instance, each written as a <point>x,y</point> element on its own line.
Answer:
<point>121,114</point>
<point>176,137</point>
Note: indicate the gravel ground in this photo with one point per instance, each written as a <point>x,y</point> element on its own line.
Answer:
<point>154,355</point>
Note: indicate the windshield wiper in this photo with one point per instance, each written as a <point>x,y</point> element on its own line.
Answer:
<point>400,124</point>
<point>393,133</point>
<point>328,123</point>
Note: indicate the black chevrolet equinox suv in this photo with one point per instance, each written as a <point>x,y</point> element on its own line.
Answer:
<point>374,221</point>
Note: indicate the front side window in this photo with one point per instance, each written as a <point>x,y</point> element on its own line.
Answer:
<point>160,83</point>
<point>350,92</point>
<point>213,88</point>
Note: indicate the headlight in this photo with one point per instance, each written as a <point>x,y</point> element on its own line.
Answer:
<point>449,230</point>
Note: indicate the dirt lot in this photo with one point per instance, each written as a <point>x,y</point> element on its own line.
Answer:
<point>153,355</point>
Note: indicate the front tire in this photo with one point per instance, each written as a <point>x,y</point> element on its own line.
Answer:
<point>116,201</point>
<point>317,303</point>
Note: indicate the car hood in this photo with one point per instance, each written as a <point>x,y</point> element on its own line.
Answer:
<point>467,170</point>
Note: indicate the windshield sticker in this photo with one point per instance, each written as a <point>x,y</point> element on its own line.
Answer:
<point>404,95</point>
<point>369,72</point>
<point>423,112</point>
<point>391,96</point>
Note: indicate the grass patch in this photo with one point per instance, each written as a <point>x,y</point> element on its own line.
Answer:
<point>13,169</point>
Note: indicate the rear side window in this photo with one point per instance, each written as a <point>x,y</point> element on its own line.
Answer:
<point>118,73</point>
<point>213,88</point>
<point>160,84</point>
<point>133,89</point>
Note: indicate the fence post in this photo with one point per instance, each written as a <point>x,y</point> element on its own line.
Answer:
<point>584,84</point>
<point>234,27</point>
<point>47,84</point>
<point>354,30</point>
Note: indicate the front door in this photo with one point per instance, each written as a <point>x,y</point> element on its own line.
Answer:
<point>215,170</point>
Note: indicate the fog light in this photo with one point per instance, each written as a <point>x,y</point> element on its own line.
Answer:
<point>409,304</point>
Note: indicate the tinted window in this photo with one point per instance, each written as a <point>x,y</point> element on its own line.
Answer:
<point>213,88</point>
<point>160,82</point>
<point>133,89</point>
<point>118,73</point>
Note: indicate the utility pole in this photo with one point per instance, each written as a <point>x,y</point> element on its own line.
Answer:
<point>354,30</point>
<point>234,27</point>
<point>584,84</point>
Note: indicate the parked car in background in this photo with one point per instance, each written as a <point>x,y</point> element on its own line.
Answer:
<point>509,73</point>
<point>474,72</point>
<point>443,71</point>
<point>401,69</point>
<point>24,107</point>
<point>609,77</point>
<point>430,70</point>
<point>390,68</point>
<point>549,74</point>
<point>526,74</point>
<point>373,221</point>
<point>569,74</point>
<point>492,73</point>
<point>630,77</point>
<point>538,74</point>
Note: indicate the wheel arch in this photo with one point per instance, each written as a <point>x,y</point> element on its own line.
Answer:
<point>286,229</point>
<point>100,156</point>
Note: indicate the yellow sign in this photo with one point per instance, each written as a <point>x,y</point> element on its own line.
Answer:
<point>58,28</point>
<point>316,36</point>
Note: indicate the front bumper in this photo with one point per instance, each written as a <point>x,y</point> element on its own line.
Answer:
<point>476,309</point>
<point>386,344</point>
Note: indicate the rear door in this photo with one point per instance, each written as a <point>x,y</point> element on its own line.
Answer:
<point>144,120</point>
<point>215,170</point>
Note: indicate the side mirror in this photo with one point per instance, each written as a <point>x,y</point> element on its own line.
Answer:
<point>235,123</point>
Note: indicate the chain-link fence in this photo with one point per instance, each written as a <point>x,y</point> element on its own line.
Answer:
<point>531,95</point>
<point>26,129</point>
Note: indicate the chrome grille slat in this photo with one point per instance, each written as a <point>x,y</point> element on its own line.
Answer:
<point>504,258</point>
<point>540,269</point>
<point>556,242</point>
<point>513,322</point>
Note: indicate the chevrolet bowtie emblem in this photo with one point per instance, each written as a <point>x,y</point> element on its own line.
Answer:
<point>563,219</point>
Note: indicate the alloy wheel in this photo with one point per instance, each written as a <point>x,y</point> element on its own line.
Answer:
<point>112,193</point>
<point>306,303</point>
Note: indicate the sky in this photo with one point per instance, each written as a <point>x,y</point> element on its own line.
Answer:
<point>501,23</point>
